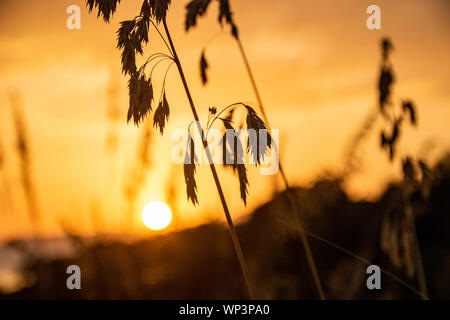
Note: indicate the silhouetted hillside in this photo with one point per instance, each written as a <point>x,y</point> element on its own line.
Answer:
<point>200,263</point>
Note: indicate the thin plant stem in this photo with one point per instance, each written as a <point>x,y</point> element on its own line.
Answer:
<point>156,64</point>
<point>406,191</point>
<point>212,38</point>
<point>25,163</point>
<point>7,192</point>
<point>363,260</point>
<point>417,253</point>
<point>163,39</point>
<point>231,227</point>
<point>164,81</point>
<point>290,192</point>
<point>351,150</point>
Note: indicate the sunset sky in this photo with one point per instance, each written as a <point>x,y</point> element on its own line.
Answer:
<point>316,64</point>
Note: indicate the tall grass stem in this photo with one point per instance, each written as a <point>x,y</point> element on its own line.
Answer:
<point>231,227</point>
<point>290,192</point>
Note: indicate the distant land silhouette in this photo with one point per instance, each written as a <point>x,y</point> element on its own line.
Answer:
<point>199,263</point>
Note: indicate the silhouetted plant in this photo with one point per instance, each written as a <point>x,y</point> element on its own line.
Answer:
<point>259,141</point>
<point>112,115</point>
<point>106,8</point>
<point>352,160</point>
<point>2,159</point>
<point>394,118</point>
<point>1,155</point>
<point>189,167</point>
<point>136,176</point>
<point>197,8</point>
<point>6,186</point>
<point>203,68</point>
<point>399,237</point>
<point>172,192</point>
<point>361,259</point>
<point>386,76</point>
<point>131,37</point>
<point>232,150</point>
<point>22,144</point>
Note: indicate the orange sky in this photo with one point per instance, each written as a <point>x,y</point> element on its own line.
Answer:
<point>316,64</point>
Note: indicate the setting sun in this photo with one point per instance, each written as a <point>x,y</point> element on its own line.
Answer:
<point>156,215</point>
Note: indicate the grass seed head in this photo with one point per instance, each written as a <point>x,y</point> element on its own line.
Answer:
<point>190,160</point>
<point>106,8</point>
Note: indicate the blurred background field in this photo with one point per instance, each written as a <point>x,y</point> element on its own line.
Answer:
<point>74,177</point>
<point>199,263</point>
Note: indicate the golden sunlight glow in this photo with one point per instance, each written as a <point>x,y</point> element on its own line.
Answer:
<point>156,215</point>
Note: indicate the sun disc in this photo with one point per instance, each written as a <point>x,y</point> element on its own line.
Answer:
<point>156,215</point>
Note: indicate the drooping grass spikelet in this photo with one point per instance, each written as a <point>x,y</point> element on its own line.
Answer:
<point>25,158</point>
<point>233,155</point>
<point>390,141</point>
<point>386,78</point>
<point>384,86</point>
<point>256,147</point>
<point>159,9</point>
<point>408,107</point>
<point>190,160</point>
<point>106,8</point>
<point>161,115</point>
<point>243,181</point>
<point>194,9</point>
<point>141,97</point>
<point>197,8</point>
<point>203,68</point>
